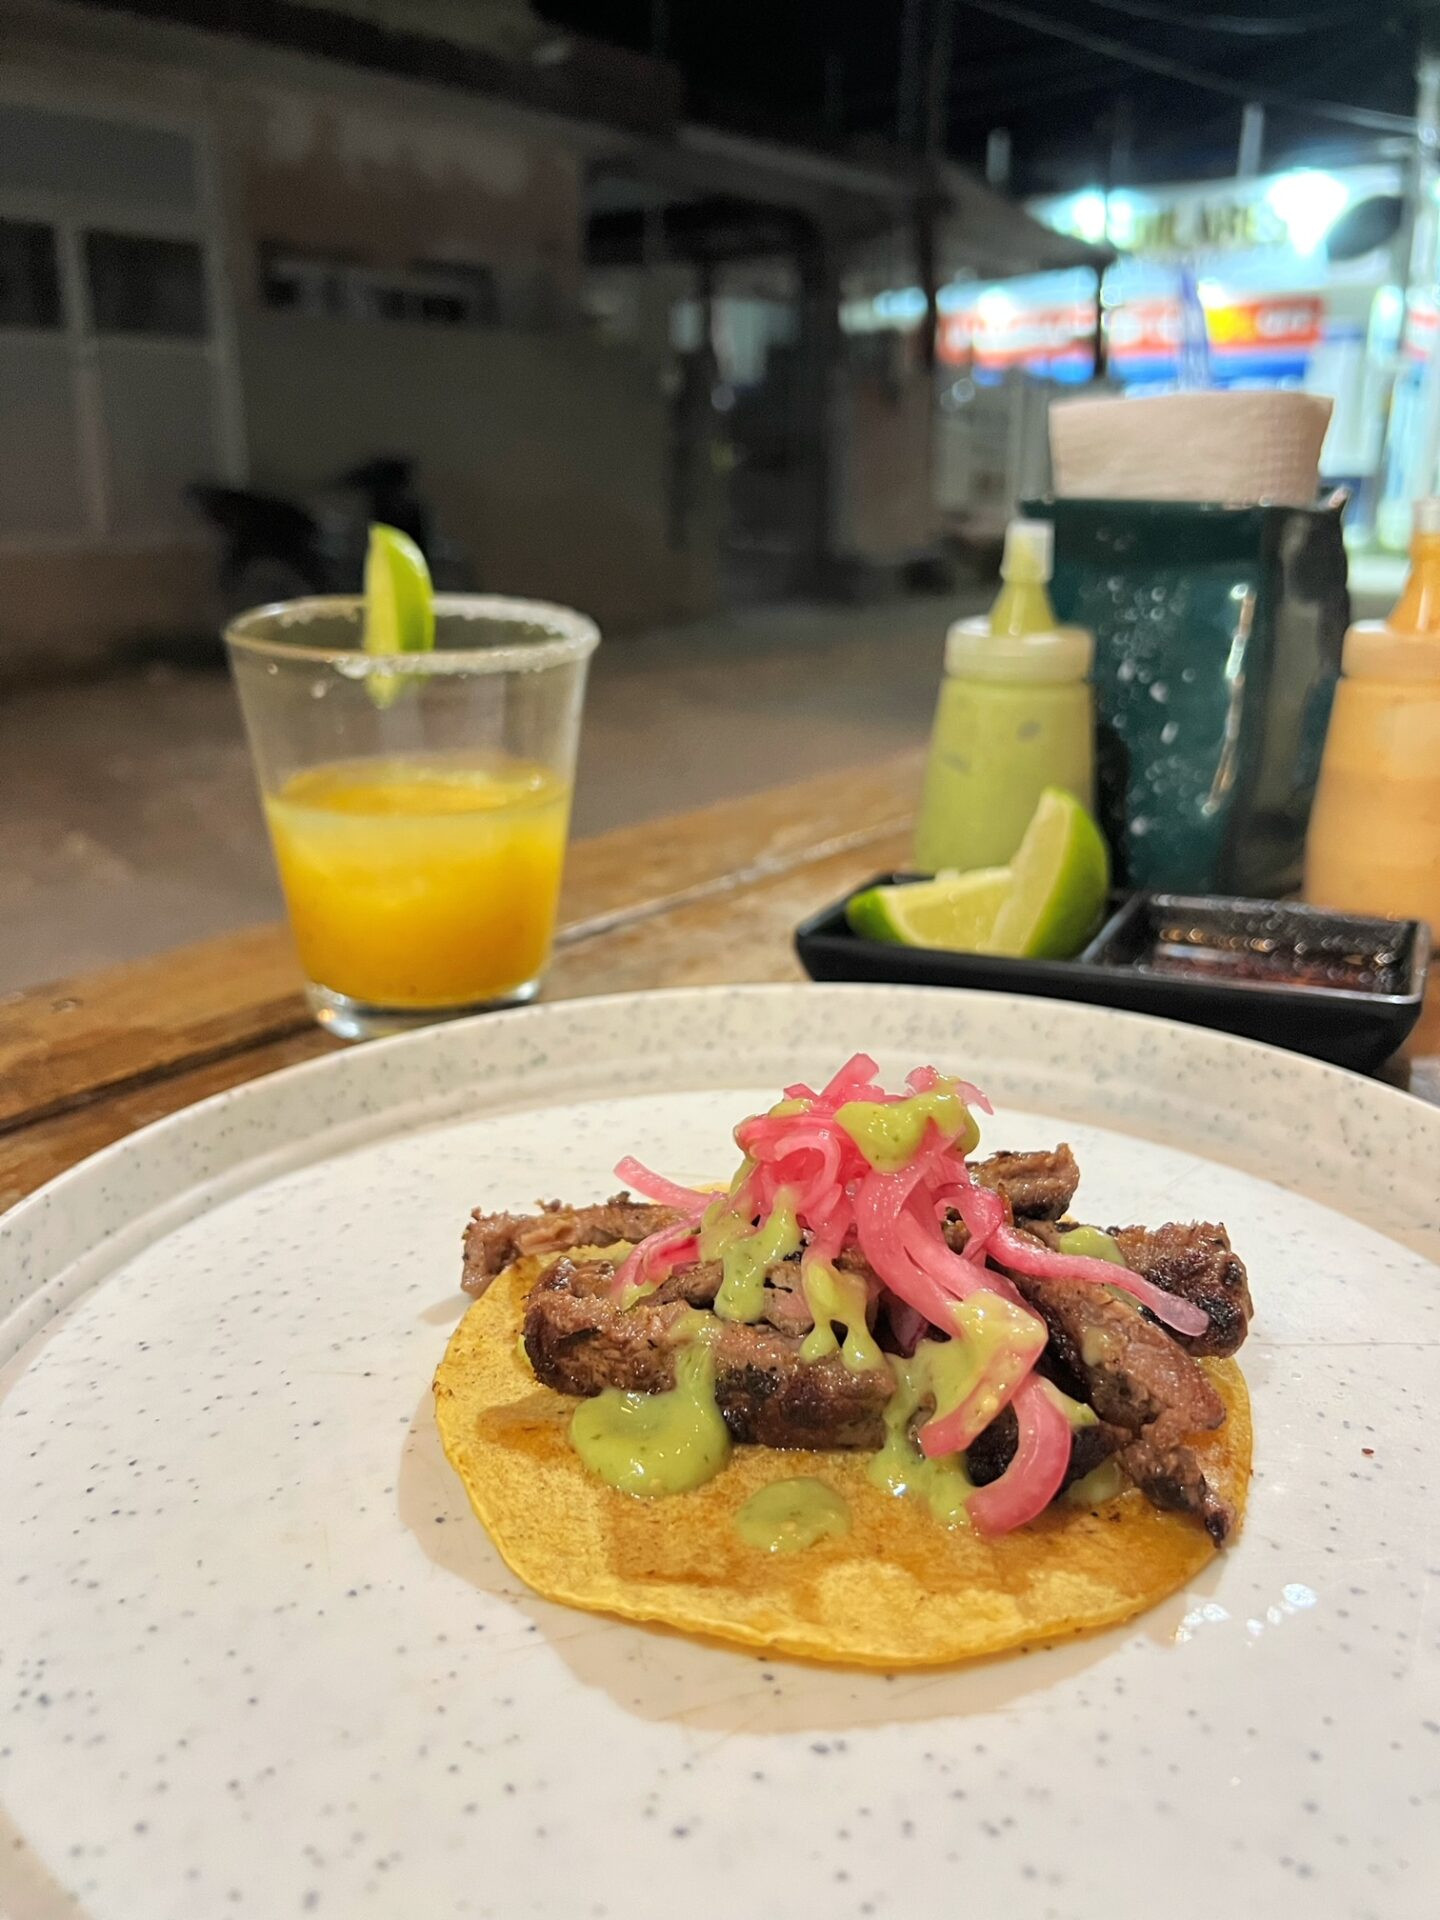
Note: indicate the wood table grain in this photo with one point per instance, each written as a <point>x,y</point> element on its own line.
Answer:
<point>707,896</point>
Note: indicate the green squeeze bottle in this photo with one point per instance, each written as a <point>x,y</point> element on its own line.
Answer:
<point>1015,715</point>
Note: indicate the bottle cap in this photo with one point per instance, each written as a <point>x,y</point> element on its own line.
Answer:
<point>1029,551</point>
<point>975,653</point>
<point>1427,515</point>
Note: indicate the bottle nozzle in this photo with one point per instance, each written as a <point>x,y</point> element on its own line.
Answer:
<point>1030,551</point>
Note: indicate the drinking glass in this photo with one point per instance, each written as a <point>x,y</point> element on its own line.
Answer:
<point>418,803</point>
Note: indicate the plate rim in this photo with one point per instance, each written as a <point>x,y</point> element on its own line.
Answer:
<point>1378,1102</point>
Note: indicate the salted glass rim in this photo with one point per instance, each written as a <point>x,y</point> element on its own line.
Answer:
<point>565,636</point>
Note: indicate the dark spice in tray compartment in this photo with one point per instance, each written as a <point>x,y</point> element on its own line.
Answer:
<point>1270,953</point>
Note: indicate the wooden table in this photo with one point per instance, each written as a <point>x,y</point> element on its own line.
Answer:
<point>697,898</point>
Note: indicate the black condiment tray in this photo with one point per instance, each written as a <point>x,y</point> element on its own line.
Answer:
<point>1353,1027</point>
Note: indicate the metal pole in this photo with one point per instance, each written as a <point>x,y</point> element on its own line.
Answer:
<point>931,199</point>
<point>937,84</point>
<point>652,223</point>
<point>1120,161</point>
<point>997,158</point>
<point>1252,140</point>
<point>907,105</point>
<point>1427,169</point>
<point>1423,264</point>
<point>1413,434</point>
<point>834,93</point>
<point>819,264</point>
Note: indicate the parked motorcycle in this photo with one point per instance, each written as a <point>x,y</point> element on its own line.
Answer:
<point>279,549</point>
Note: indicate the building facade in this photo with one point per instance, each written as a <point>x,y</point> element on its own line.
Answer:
<point>221,261</point>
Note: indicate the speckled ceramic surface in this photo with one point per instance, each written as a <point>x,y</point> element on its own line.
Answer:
<point>257,1659</point>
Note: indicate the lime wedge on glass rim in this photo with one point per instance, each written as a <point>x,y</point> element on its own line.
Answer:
<point>399,604</point>
<point>1059,879</point>
<point>955,910</point>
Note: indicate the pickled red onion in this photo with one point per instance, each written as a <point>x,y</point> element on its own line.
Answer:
<point>925,1080</point>
<point>654,1186</point>
<point>957,1274</point>
<point>1035,1475</point>
<point>855,1081</point>
<point>652,1260</point>
<point>878,1205</point>
<point>982,1210</point>
<point>1005,1371</point>
<point>1029,1257</point>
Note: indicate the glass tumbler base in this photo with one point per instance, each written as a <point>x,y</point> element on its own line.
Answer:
<point>351,1019</point>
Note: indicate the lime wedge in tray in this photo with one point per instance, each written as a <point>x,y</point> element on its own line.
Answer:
<point>1060,876</point>
<point>1044,906</point>
<point>955,910</point>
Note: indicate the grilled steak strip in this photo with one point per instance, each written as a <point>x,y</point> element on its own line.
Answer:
<point>579,1341</point>
<point>1194,1260</point>
<point>494,1240</point>
<point>786,1308</point>
<point>1039,1186</point>
<point>1198,1263</point>
<point>1135,1377</point>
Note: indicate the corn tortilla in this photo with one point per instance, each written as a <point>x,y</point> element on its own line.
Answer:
<point>899,1590</point>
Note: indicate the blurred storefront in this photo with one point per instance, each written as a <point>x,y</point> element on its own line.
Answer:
<point>608,338</point>
<point>1291,279</point>
<point>226,260</point>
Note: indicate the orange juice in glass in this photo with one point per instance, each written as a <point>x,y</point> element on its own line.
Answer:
<point>418,803</point>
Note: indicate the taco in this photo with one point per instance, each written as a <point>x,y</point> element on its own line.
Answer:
<point>876,1402</point>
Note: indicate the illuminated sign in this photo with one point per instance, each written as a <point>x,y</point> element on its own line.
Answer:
<point>1269,337</point>
<point>1288,211</point>
<point>1205,226</point>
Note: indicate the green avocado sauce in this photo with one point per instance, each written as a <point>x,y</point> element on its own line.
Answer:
<point>1102,1483</point>
<point>900,1467</point>
<point>942,1373</point>
<point>1091,1244</point>
<point>986,1323</point>
<point>1075,1411</point>
<point>650,1444</point>
<point>890,1136</point>
<point>835,1297</point>
<point>789,1515</point>
<point>745,1252</point>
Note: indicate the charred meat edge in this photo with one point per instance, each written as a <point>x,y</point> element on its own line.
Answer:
<point>1194,1260</point>
<point>1107,1352</point>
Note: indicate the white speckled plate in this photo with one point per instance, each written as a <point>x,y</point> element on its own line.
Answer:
<point>256,1658</point>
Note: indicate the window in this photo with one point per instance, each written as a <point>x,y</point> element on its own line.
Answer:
<point>29,276</point>
<point>142,285</point>
<point>300,282</point>
<point>433,293</point>
<point>455,296</point>
<point>111,384</point>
